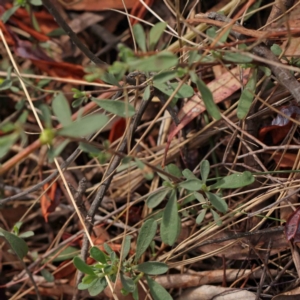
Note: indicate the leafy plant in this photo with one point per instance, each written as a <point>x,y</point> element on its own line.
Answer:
<point>107,266</point>
<point>170,224</point>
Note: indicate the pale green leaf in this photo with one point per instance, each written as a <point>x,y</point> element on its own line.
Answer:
<point>207,97</point>
<point>127,283</point>
<point>61,109</point>
<point>234,181</point>
<point>217,202</point>
<point>155,63</point>
<point>119,108</point>
<point>17,244</point>
<point>157,291</point>
<point>204,170</point>
<point>98,255</point>
<point>188,174</point>
<point>155,34</point>
<point>173,170</point>
<point>126,246</point>
<point>216,217</point>
<point>191,184</point>
<point>147,93</point>
<point>201,216</point>
<point>84,126</point>
<point>146,235</point>
<point>139,35</point>
<point>247,96</point>
<point>237,57</point>
<point>165,76</point>
<point>98,286</point>
<point>185,90</point>
<point>47,275</point>
<point>169,229</point>
<point>157,197</point>
<point>82,266</point>
<point>153,268</point>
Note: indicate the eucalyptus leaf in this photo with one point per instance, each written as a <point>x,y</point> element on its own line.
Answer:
<point>247,96</point>
<point>84,126</point>
<point>157,291</point>
<point>153,268</point>
<point>139,35</point>
<point>155,34</point>
<point>119,108</point>
<point>17,244</point>
<point>146,235</point>
<point>207,96</point>
<point>217,202</point>
<point>169,224</point>
<point>234,181</point>
<point>204,170</point>
<point>61,109</point>
<point>157,197</point>
<point>82,266</point>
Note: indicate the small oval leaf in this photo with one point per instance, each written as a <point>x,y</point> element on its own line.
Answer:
<point>201,216</point>
<point>153,268</point>
<point>61,109</point>
<point>155,34</point>
<point>217,202</point>
<point>98,286</point>
<point>157,291</point>
<point>146,235</point>
<point>139,35</point>
<point>191,184</point>
<point>119,108</point>
<point>127,283</point>
<point>204,170</point>
<point>82,266</point>
<point>234,181</point>
<point>157,197</point>
<point>98,255</point>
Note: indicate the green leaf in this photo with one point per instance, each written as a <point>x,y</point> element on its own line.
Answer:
<point>157,197</point>
<point>47,275</point>
<point>207,97</point>
<point>139,35</point>
<point>17,244</point>
<point>98,255</point>
<point>165,76</point>
<point>6,143</point>
<point>85,285</point>
<point>191,184</point>
<point>194,56</point>
<point>188,174</point>
<point>157,291</point>
<point>216,217</point>
<point>247,96</point>
<point>58,150</point>
<point>85,126</point>
<point>155,63</point>
<point>126,246</point>
<point>46,115</point>
<point>8,13</point>
<point>153,268</point>
<point>99,285</point>
<point>234,181</point>
<point>109,78</point>
<point>147,172</point>
<point>185,91</point>
<point>155,34</point>
<point>146,235</point>
<point>236,57</point>
<point>169,225</point>
<point>276,49</point>
<point>217,202</point>
<point>127,283</point>
<point>61,109</point>
<point>147,93</point>
<point>89,148</point>
<point>82,266</point>
<point>201,216</point>
<point>199,197</point>
<point>58,32</point>
<point>26,234</point>
<point>68,253</point>
<point>204,170</point>
<point>108,249</point>
<point>5,84</point>
<point>119,108</point>
<point>173,170</point>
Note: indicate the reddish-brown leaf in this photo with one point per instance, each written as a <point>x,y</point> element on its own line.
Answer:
<point>292,229</point>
